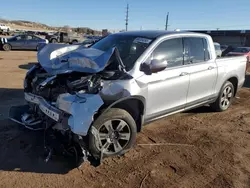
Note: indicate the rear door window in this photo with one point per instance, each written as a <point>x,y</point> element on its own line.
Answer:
<point>195,50</point>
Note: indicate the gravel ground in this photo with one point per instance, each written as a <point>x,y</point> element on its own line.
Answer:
<point>199,148</point>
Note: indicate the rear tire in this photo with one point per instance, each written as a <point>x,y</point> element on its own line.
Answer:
<point>114,130</point>
<point>74,42</point>
<point>6,47</point>
<point>53,41</point>
<point>225,98</point>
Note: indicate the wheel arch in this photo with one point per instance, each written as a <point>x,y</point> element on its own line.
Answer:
<point>53,38</point>
<point>234,80</point>
<point>134,105</point>
<point>11,47</point>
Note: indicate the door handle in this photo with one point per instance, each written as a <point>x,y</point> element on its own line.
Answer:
<point>183,74</point>
<point>210,68</point>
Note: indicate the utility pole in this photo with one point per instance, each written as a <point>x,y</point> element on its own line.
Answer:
<point>126,20</point>
<point>166,27</point>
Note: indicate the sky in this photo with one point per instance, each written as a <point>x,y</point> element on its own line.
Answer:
<point>143,14</point>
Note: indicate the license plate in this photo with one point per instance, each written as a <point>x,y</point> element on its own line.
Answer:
<point>53,115</point>
<point>31,98</point>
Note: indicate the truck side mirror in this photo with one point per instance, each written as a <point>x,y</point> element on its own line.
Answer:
<point>154,66</point>
<point>158,65</point>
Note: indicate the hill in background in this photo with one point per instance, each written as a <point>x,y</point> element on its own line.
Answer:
<point>29,25</point>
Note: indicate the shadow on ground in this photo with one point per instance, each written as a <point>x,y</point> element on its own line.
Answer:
<point>27,66</point>
<point>202,109</point>
<point>21,149</point>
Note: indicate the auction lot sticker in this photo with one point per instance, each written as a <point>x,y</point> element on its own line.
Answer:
<point>142,40</point>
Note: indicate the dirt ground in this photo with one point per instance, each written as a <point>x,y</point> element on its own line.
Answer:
<point>199,148</point>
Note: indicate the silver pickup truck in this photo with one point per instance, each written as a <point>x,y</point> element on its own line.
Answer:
<point>98,98</point>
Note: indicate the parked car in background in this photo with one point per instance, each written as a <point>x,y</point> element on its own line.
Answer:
<point>240,51</point>
<point>217,49</point>
<point>64,37</point>
<point>223,47</point>
<point>21,42</point>
<point>90,41</point>
<point>4,29</point>
<point>98,98</point>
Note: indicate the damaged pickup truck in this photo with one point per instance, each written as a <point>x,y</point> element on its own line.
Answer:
<point>96,99</point>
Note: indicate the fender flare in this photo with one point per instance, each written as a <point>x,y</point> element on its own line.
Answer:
<point>137,97</point>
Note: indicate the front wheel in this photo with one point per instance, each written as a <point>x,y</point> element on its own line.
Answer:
<point>224,100</point>
<point>113,133</point>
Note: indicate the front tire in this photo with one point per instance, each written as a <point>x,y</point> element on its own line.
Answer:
<point>6,47</point>
<point>225,98</point>
<point>113,132</point>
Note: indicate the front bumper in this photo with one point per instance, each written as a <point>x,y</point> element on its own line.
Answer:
<point>44,106</point>
<point>80,109</point>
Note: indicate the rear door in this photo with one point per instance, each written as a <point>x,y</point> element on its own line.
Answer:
<point>201,68</point>
<point>65,38</point>
<point>31,42</point>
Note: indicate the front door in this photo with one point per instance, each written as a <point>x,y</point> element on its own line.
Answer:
<point>202,69</point>
<point>167,89</point>
<point>18,42</point>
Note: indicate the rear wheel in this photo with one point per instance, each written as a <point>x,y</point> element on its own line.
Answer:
<point>74,41</point>
<point>53,41</point>
<point>224,100</point>
<point>113,133</point>
<point>6,47</point>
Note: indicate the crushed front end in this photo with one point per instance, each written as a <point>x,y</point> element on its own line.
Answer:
<point>64,94</point>
<point>63,106</point>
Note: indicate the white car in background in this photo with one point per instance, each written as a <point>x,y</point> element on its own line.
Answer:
<point>217,49</point>
<point>4,27</point>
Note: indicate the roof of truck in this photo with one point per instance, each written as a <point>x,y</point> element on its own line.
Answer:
<point>150,33</point>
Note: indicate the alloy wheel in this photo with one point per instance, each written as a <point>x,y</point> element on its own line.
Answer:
<point>226,97</point>
<point>113,136</point>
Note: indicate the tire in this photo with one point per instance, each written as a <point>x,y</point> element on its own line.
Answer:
<point>53,41</point>
<point>74,42</point>
<point>122,124</point>
<point>225,98</point>
<point>6,47</point>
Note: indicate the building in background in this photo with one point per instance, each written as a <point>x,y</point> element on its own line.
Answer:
<point>229,37</point>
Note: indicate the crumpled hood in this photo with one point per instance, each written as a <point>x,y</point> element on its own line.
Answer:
<point>63,58</point>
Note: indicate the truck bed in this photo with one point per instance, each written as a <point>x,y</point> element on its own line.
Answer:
<point>233,66</point>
